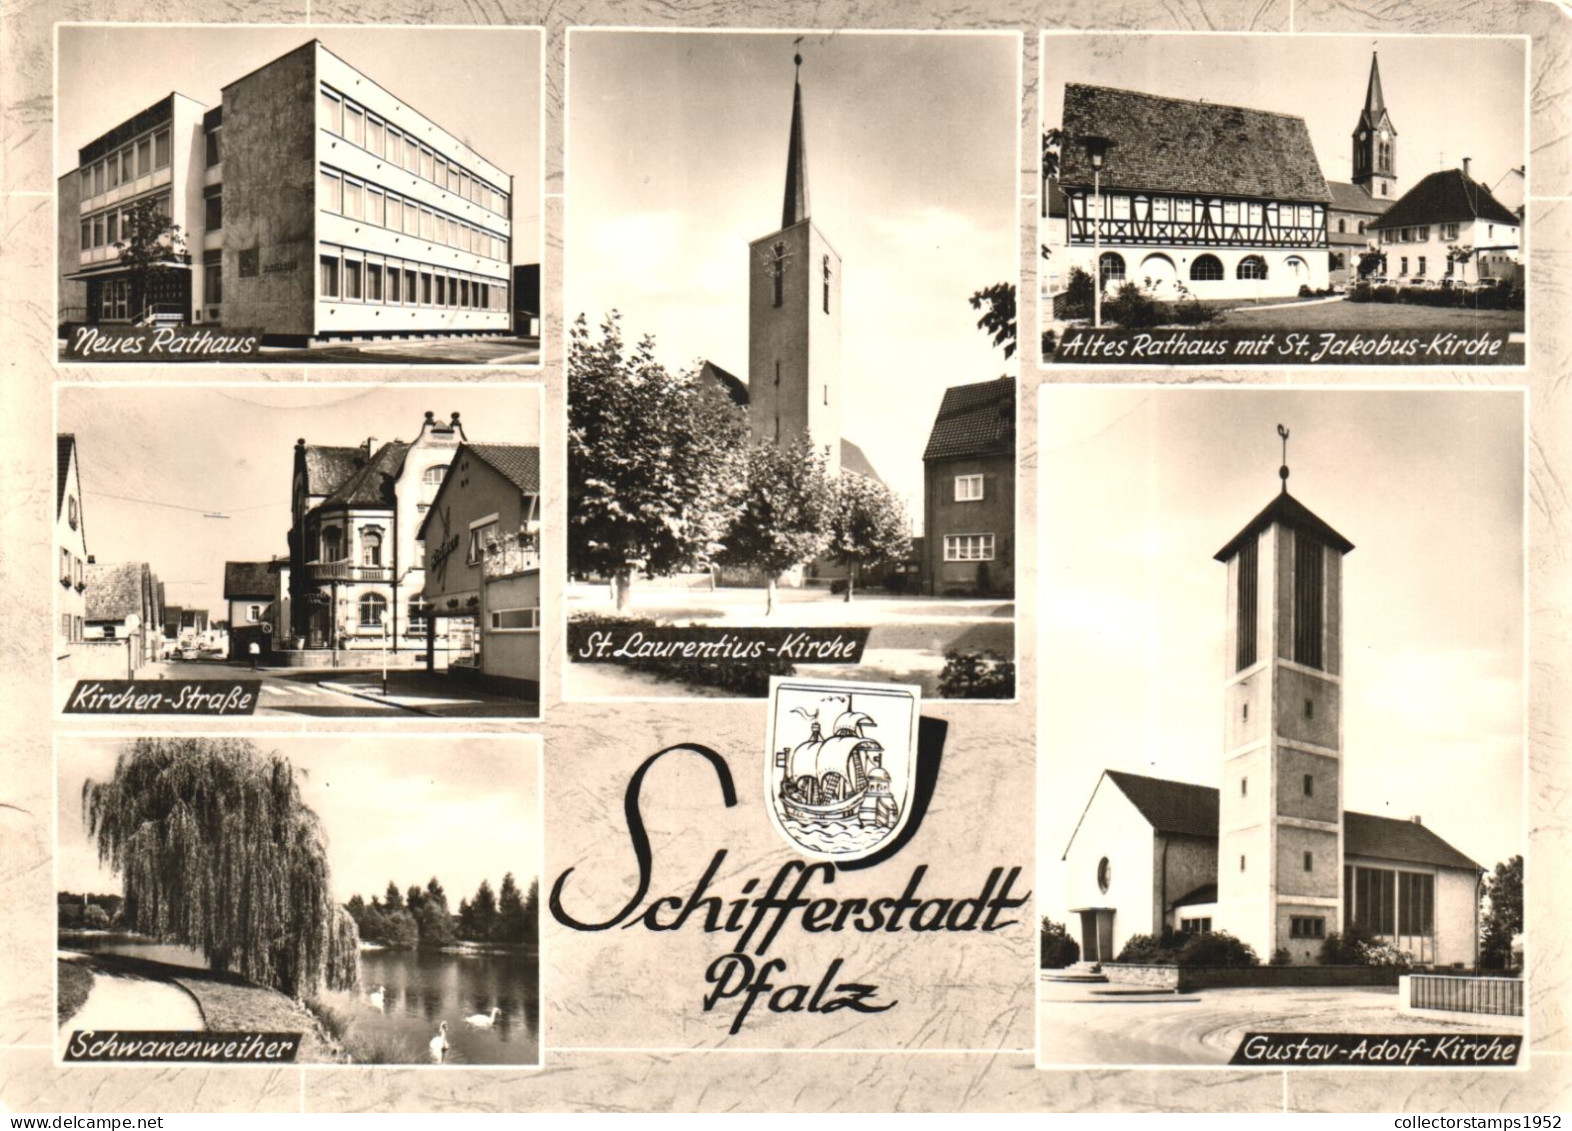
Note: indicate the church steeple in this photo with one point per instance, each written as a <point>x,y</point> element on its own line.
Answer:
<point>795,208</point>
<point>1375,140</point>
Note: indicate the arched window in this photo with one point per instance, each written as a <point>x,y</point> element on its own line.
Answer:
<point>372,606</point>
<point>371,546</point>
<point>1252,267</point>
<point>1298,268</point>
<point>1342,225</point>
<point>433,475</point>
<point>1206,269</point>
<point>1112,269</point>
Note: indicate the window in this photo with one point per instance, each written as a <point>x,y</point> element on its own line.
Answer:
<point>331,108</point>
<point>409,285</point>
<point>1241,863</point>
<point>354,199</point>
<point>1252,267</point>
<point>330,188</point>
<point>1244,787</point>
<point>1309,861</point>
<point>144,157</point>
<point>329,265</point>
<point>395,213</point>
<point>395,148</point>
<point>87,234</point>
<point>1308,587</point>
<point>478,535</point>
<point>374,135</point>
<point>1309,785</point>
<point>1361,227</point>
<point>1306,927</point>
<point>419,611</point>
<point>1419,265</point>
<point>428,225</point>
<point>394,274</point>
<point>371,547</point>
<point>968,488</point>
<point>1309,708</point>
<point>1112,268</point>
<point>372,606</point>
<point>373,282</point>
<point>1403,268</point>
<point>442,290</point>
<point>1230,212</point>
<point>1449,231</point>
<point>1104,874</point>
<point>968,547</point>
<point>374,206</point>
<point>1244,644</point>
<point>352,269</point>
<point>433,475</point>
<point>213,207</point>
<point>65,567</point>
<point>111,227</point>
<point>253,613</point>
<point>1342,225</point>
<point>411,219</point>
<point>213,277</point>
<point>214,153</point>
<point>428,164</point>
<point>1369,898</point>
<point>1422,233</point>
<point>1206,269</point>
<point>1336,261</point>
<point>354,124</point>
<point>71,512</point>
<point>1199,926</point>
<point>515,620</point>
<point>1415,903</point>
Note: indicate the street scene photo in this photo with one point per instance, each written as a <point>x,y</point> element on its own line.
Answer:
<point>286,899</point>
<point>1283,200</point>
<point>323,550</point>
<point>792,391</point>
<point>274,195</point>
<point>1281,781</point>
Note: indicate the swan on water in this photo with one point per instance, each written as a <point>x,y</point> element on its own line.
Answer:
<point>439,1043</point>
<point>483,1020</point>
<point>375,997</point>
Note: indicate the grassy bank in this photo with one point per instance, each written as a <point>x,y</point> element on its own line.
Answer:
<point>75,982</point>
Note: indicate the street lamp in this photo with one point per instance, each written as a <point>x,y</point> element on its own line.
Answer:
<point>1096,153</point>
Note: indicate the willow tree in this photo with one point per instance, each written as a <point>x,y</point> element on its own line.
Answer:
<point>218,852</point>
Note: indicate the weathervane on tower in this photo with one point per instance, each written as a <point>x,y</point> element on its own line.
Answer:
<point>1282,472</point>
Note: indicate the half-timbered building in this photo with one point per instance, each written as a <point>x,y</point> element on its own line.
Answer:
<point>1221,201</point>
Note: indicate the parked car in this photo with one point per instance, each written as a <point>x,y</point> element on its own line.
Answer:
<point>1419,282</point>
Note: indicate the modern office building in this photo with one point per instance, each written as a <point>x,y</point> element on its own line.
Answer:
<point>313,204</point>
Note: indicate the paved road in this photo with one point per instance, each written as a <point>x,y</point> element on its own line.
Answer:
<point>128,1002</point>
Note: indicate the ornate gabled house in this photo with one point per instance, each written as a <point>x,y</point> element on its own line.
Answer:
<point>356,573</point>
<point>1225,201</point>
<point>1449,226</point>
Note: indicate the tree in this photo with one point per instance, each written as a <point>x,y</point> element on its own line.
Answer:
<point>512,925</point>
<point>151,246</point>
<point>478,919</point>
<point>868,526</point>
<point>217,851</point>
<point>653,459</point>
<point>532,914</point>
<point>1371,262</point>
<point>1056,949</point>
<point>1501,915</point>
<point>392,899</point>
<point>95,918</point>
<point>999,316</point>
<point>787,507</point>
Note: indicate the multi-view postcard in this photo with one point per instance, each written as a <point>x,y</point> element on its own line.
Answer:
<point>792,441</point>
<point>1282,816</point>
<point>280,899</point>
<point>1254,200</point>
<point>299,195</point>
<point>318,551</point>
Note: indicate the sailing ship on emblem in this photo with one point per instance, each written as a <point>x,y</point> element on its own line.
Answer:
<point>835,777</point>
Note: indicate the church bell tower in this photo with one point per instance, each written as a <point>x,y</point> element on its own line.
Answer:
<point>794,317</point>
<point>1375,141</point>
<point>1280,812</point>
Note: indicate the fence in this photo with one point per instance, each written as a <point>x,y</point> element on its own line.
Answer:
<point>1500,997</point>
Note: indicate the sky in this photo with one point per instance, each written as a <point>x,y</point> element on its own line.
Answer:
<point>481,85</point>
<point>155,460</point>
<point>1140,487</point>
<point>1323,80</point>
<point>394,808</point>
<point>676,159</point>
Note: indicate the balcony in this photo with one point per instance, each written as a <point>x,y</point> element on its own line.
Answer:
<point>516,555</point>
<point>346,570</point>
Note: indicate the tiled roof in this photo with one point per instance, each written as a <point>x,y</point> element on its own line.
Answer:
<point>1393,839</point>
<point>1176,145</point>
<point>1348,197</point>
<point>249,579</point>
<point>1178,807</point>
<point>1289,511</point>
<point>518,463</point>
<point>1443,198</point>
<point>65,442</point>
<point>974,420</point>
<point>732,385</point>
<point>114,589</point>
<point>853,458</point>
<point>372,485</point>
<point>328,467</point>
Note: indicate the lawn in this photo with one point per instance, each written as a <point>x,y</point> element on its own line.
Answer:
<point>75,982</point>
<point>1369,316</point>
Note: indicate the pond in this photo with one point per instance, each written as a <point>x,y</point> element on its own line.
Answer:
<point>421,989</point>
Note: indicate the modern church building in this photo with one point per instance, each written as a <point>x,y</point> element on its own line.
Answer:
<point>314,205</point>
<point>1270,855</point>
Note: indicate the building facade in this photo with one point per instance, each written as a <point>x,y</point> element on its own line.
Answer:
<point>1449,228</point>
<point>1217,201</point>
<point>315,204</point>
<point>482,549</point>
<point>70,547</point>
<point>123,604</point>
<point>256,607</point>
<point>1270,856</point>
<point>969,493</point>
<point>356,567</point>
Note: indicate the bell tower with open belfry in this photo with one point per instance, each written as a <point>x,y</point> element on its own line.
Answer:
<point>1280,811</point>
<point>794,317</point>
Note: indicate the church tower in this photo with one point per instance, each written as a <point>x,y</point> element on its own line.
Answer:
<point>1375,142</point>
<point>794,317</point>
<point>1280,813</point>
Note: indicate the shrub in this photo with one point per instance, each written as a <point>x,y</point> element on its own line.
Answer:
<point>1216,948</point>
<point>1133,309</point>
<point>95,918</point>
<point>1305,291</point>
<point>1077,299</point>
<point>1281,957</point>
<point>1189,310</point>
<point>975,675</point>
<point>748,679</point>
<point>1150,950</point>
<point>1057,949</point>
<point>1050,343</point>
<point>1357,947</point>
<point>838,586</point>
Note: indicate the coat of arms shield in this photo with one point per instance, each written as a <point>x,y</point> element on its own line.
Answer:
<point>839,764</point>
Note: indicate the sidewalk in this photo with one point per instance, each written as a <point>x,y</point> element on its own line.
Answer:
<point>434,694</point>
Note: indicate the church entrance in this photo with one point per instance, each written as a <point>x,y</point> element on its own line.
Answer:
<point>1097,934</point>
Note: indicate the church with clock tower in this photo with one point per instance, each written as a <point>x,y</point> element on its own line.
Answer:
<point>1358,204</point>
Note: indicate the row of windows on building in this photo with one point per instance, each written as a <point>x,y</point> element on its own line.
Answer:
<point>354,276</point>
<point>72,570</point>
<point>1196,210</point>
<point>968,547</point>
<point>1387,902</point>
<point>1422,233</point>
<point>110,226</point>
<point>1307,785</point>
<point>1309,598</point>
<point>135,159</point>
<point>334,547</point>
<point>1203,268</point>
<point>357,199</point>
<point>372,614</point>
<point>382,139</point>
<point>71,628</point>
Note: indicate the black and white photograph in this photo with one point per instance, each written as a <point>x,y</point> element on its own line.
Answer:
<point>1251,200</point>
<point>299,195</point>
<point>790,282</point>
<point>1282,723</point>
<point>315,551</point>
<point>285,899</point>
